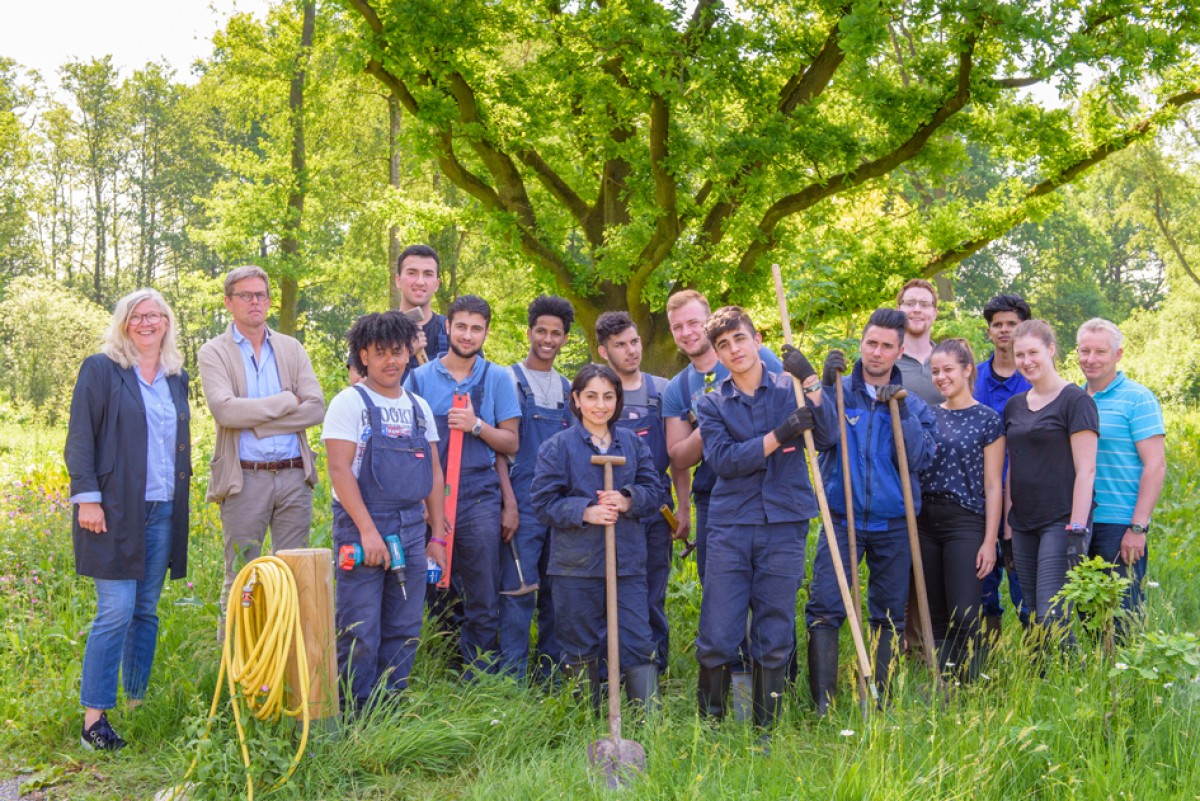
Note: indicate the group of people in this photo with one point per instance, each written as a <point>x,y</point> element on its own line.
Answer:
<point>723,442</point>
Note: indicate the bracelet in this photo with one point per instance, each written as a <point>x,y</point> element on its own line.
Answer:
<point>437,541</point>
<point>814,388</point>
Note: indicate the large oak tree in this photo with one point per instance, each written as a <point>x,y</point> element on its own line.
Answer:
<point>628,148</point>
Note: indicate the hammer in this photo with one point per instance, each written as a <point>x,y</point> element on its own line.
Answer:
<point>416,316</point>
<point>524,589</point>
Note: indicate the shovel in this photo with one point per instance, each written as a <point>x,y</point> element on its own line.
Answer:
<point>524,589</point>
<point>614,758</point>
<point>416,316</point>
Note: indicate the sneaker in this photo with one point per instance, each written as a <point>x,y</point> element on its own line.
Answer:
<point>101,736</point>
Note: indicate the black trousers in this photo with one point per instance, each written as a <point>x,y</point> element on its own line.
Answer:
<point>950,537</point>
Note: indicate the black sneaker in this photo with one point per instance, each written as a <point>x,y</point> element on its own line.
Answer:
<point>101,736</point>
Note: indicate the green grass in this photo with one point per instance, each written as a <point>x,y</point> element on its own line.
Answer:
<point>1082,730</point>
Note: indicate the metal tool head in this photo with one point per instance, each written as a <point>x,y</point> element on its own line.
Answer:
<point>524,589</point>
<point>617,760</point>
<point>414,314</point>
<point>688,547</point>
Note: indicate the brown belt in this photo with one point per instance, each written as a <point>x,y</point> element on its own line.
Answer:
<point>271,467</point>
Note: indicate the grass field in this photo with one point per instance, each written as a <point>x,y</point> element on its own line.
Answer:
<point>1093,727</point>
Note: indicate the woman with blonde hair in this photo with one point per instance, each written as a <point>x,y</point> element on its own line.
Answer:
<point>128,453</point>
<point>1053,430</point>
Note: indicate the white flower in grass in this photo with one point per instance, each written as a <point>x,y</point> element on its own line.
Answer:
<point>985,677</point>
<point>1122,666</point>
<point>495,722</point>
<point>847,732</point>
<point>1152,584</point>
<point>1168,685</point>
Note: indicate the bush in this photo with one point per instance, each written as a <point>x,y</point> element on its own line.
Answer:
<point>46,331</point>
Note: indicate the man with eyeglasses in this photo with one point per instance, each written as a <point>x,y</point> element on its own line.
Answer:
<point>263,395</point>
<point>918,301</point>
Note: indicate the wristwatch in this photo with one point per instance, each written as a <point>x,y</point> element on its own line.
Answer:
<point>478,428</point>
<point>1136,529</point>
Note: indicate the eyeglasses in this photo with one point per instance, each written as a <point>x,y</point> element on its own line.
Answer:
<point>917,304</point>
<point>152,318</point>
<point>247,297</point>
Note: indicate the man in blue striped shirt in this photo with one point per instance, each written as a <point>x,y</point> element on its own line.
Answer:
<point>1131,460</point>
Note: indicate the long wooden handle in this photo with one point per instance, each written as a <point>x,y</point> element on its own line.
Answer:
<point>835,553</point>
<point>848,490</point>
<point>614,649</point>
<point>914,541</point>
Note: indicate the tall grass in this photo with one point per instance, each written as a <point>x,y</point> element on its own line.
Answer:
<point>1071,727</point>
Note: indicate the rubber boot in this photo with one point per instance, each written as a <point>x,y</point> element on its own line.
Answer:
<point>641,688</point>
<point>822,667</point>
<point>585,674</point>
<point>711,688</point>
<point>883,663</point>
<point>769,687</point>
<point>742,695</point>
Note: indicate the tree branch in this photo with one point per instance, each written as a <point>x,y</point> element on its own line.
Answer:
<point>1160,218</point>
<point>801,89</point>
<point>815,193</point>
<point>1098,154</point>
<point>666,227</point>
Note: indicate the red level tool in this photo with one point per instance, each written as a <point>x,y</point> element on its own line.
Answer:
<point>453,463</point>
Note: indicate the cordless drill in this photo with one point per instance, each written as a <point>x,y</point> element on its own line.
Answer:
<point>351,556</point>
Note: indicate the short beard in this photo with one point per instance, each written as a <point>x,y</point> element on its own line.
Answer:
<point>704,347</point>
<point>462,354</point>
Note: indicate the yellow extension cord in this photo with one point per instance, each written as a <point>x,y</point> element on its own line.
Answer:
<point>258,640</point>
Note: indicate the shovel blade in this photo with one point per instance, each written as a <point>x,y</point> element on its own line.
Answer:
<point>618,762</point>
<point>524,589</point>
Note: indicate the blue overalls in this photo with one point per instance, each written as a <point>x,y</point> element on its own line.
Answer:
<point>647,423</point>
<point>377,628</point>
<point>759,517</point>
<point>475,565</point>
<point>538,424</point>
<point>564,485</point>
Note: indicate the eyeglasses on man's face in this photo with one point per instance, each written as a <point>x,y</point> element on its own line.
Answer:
<point>248,297</point>
<point>150,318</point>
<point>917,304</point>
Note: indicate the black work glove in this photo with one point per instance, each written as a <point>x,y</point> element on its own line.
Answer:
<point>1076,547</point>
<point>835,363</point>
<point>797,364</point>
<point>888,392</point>
<point>1006,555</point>
<point>796,423</point>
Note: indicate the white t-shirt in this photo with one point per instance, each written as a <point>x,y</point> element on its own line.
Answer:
<point>347,419</point>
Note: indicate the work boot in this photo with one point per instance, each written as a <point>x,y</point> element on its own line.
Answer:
<point>585,673</point>
<point>641,688</point>
<point>883,662</point>
<point>711,687</point>
<point>742,696</point>
<point>769,687</point>
<point>822,667</point>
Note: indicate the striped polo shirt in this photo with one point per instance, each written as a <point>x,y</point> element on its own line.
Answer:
<point>1129,413</point>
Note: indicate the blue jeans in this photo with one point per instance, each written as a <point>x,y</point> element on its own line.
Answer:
<point>125,630</point>
<point>1106,543</point>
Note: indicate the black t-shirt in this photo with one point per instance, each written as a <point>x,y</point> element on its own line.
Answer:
<point>956,473</point>
<point>1041,470</point>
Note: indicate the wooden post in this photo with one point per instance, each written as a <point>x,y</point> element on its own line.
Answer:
<point>313,570</point>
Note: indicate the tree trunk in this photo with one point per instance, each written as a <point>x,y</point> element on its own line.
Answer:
<point>394,182</point>
<point>289,245</point>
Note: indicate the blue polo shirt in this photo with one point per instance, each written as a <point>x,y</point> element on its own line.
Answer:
<point>994,391</point>
<point>437,386</point>
<point>1129,413</point>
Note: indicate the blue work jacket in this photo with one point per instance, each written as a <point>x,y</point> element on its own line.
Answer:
<point>751,488</point>
<point>565,484</point>
<point>874,471</point>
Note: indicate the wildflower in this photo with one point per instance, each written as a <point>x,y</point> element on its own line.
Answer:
<point>985,677</point>
<point>847,732</point>
<point>1152,584</point>
<point>495,722</point>
<point>1122,666</point>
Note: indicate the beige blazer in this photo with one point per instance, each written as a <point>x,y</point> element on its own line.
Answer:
<point>223,376</point>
